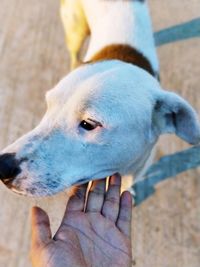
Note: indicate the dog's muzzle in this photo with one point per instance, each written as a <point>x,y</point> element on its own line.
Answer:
<point>9,168</point>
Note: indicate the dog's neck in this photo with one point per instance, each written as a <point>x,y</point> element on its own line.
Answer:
<point>120,23</point>
<point>124,53</point>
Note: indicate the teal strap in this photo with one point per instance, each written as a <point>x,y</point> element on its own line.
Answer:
<point>183,31</point>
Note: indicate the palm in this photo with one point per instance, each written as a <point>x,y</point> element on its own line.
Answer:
<point>98,239</point>
<point>95,237</point>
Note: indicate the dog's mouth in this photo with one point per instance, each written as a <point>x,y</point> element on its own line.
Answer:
<point>9,184</point>
<point>31,185</point>
<point>18,191</point>
<point>81,181</point>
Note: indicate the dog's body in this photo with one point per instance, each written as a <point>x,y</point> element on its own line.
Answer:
<point>110,23</point>
<point>105,116</point>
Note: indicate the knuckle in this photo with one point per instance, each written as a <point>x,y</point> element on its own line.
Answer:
<point>125,218</point>
<point>93,210</point>
<point>97,191</point>
<point>112,200</point>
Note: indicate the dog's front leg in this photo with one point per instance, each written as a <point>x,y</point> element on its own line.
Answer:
<point>75,26</point>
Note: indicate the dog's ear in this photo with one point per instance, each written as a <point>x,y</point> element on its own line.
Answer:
<point>172,114</point>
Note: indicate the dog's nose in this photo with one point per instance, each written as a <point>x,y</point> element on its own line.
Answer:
<point>9,167</point>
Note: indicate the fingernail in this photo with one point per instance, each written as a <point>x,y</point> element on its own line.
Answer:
<point>115,179</point>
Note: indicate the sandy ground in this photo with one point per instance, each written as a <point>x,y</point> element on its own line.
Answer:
<point>33,57</point>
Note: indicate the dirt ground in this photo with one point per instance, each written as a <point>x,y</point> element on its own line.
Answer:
<point>33,57</point>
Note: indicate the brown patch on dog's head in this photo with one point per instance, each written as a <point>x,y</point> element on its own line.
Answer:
<point>124,53</point>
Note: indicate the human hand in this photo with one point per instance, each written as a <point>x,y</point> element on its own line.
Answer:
<point>94,232</point>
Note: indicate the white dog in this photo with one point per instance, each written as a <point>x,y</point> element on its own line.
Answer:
<point>105,116</point>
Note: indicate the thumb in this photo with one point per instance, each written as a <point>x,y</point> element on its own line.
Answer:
<point>40,227</point>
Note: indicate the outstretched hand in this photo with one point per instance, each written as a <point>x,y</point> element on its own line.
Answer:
<point>94,232</point>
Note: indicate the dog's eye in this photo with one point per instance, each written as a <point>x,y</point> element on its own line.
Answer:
<point>89,124</point>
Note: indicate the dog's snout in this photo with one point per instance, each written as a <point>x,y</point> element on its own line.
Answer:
<point>9,167</point>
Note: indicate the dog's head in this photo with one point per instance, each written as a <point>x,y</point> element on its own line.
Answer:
<point>101,119</point>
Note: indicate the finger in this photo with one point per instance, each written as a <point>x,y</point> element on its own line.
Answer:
<point>96,196</point>
<point>77,201</point>
<point>125,213</point>
<point>111,203</point>
<point>41,232</point>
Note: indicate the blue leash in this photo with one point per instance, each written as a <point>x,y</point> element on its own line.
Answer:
<point>183,31</point>
<point>167,166</point>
